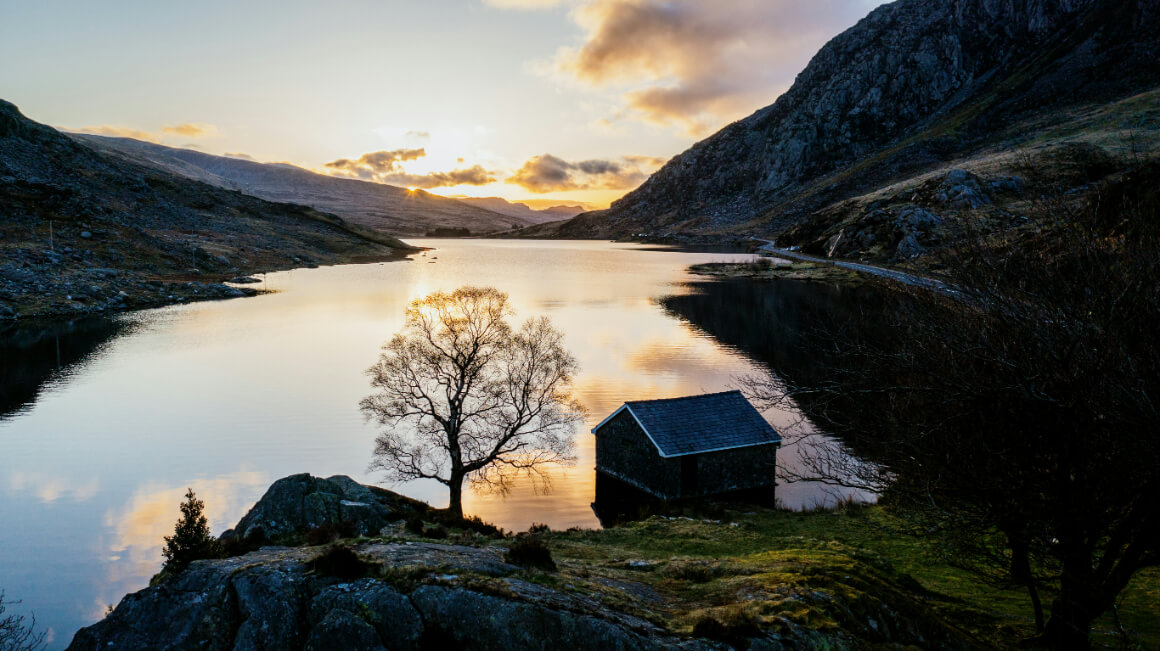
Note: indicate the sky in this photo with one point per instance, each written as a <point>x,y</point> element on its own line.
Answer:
<point>554,101</point>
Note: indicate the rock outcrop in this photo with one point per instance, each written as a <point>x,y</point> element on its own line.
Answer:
<point>391,592</point>
<point>913,85</point>
<point>299,504</point>
<point>453,597</point>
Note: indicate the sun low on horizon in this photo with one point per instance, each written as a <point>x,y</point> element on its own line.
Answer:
<point>546,102</point>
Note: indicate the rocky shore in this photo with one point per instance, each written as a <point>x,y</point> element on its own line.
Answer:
<point>332,564</point>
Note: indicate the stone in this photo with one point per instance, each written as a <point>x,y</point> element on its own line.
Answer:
<point>300,503</point>
<point>88,235</point>
<point>342,629</point>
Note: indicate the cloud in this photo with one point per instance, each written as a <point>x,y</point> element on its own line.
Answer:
<point>375,164</point>
<point>475,175</point>
<point>238,155</point>
<point>420,135</point>
<point>548,173</point>
<point>522,4</point>
<point>698,64</point>
<point>190,130</point>
<point>385,167</point>
<point>119,132</point>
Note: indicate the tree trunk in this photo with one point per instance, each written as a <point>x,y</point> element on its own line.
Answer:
<point>1021,573</point>
<point>1069,626</point>
<point>455,487</point>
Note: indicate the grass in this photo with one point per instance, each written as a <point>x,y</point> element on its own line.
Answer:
<point>712,572</point>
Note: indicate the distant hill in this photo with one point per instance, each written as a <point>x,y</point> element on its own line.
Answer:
<point>83,231</point>
<point>386,208</point>
<point>924,115</point>
<point>523,211</point>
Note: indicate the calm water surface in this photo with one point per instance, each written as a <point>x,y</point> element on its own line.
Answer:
<point>99,443</point>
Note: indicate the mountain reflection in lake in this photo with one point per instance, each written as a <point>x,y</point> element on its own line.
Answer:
<point>34,354</point>
<point>227,396</point>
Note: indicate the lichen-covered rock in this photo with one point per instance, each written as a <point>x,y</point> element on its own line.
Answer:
<point>299,503</point>
<point>390,595</point>
<point>269,599</point>
<point>388,612</point>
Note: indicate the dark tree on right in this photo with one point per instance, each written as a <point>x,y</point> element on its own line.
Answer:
<point>1018,416</point>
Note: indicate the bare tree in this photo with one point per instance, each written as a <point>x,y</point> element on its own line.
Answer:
<point>463,395</point>
<point>18,633</point>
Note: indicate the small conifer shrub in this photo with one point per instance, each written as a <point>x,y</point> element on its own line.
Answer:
<point>191,539</point>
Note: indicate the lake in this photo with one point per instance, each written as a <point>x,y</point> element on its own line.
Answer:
<point>105,424</point>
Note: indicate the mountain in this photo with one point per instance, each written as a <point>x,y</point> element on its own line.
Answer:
<point>382,207</point>
<point>949,102</point>
<point>523,211</point>
<point>82,231</point>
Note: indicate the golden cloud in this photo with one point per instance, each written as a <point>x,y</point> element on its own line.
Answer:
<point>548,173</point>
<point>474,175</point>
<point>385,167</point>
<point>190,130</point>
<point>698,64</point>
<point>375,164</point>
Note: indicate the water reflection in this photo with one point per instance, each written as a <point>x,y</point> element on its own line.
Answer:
<point>778,323</point>
<point>32,354</point>
<point>137,528</point>
<point>225,397</point>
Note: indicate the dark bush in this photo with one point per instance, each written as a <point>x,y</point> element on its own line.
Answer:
<point>538,527</point>
<point>323,534</point>
<point>735,634</point>
<point>530,550</point>
<point>438,532</point>
<point>342,562</point>
<point>415,525</point>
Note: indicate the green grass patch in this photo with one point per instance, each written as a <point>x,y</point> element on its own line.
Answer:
<point>739,569</point>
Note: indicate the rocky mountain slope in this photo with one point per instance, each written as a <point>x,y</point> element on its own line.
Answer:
<point>991,88</point>
<point>517,209</point>
<point>382,207</point>
<point>84,232</point>
<point>397,587</point>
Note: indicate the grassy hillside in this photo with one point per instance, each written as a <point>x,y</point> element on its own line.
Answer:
<point>376,206</point>
<point>83,232</point>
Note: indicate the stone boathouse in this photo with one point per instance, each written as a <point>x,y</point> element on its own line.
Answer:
<point>688,447</point>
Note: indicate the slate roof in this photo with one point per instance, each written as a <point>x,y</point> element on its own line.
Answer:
<point>697,424</point>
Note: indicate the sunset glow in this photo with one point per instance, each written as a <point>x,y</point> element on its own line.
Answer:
<point>500,85</point>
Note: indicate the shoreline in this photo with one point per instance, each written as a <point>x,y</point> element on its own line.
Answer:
<point>763,269</point>
<point>95,291</point>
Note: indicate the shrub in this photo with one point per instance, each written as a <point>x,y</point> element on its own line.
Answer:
<point>438,532</point>
<point>330,532</point>
<point>530,550</point>
<point>415,525</point>
<point>693,571</point>
<point>191,539</point>
<point>471,523</point>
<point>734,633</point>
<point>342,562</point>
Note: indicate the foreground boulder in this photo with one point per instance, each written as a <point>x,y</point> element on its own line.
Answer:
<point>415,595</point>
<point>299,504</point>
